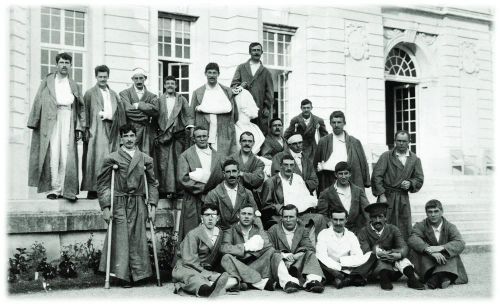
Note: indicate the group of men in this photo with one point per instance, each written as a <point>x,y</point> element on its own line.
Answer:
<point>295,214</point>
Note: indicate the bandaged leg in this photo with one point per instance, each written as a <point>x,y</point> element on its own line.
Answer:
<point>401,264</point>
<point>59,141</point>
<point>260,284</point>
<point>212,131</point>
<point>284,276</point>
<point>312,277</point>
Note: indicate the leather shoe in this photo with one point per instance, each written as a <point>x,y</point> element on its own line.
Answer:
<point>270,285</point>
<point>52,196</point>
<point>433,282</point>
<point>415,284</point>
<point>338,283</point>
<point>315,286</point>
<point>291,287</point>
<point>445,282</point>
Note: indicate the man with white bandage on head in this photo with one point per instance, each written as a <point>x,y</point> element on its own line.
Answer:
<point>140,106</point>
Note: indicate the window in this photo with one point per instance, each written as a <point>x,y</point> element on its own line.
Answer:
<point>277,49</point>
<point>399,63</point>
<point>174,49</point>
<point>277,44</point>
<point>405,110</point>
<point>62,30</point>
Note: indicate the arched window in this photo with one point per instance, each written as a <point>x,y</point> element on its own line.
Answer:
<point>399,63</point>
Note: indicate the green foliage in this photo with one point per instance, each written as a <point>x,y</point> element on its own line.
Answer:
<point>84,255</point>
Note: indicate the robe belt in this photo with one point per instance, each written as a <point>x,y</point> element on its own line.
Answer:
<point>389,189</point>
<point>128,194</point>
<point>63,106</point>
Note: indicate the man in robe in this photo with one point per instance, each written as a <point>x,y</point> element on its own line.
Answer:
<point>250,257</point>
<point>213,108</point>
<point>337,147</point>
<point>175,119</point>
<point>199,171</point>
<point>230,195</point>
<point>140,106</point>
<point>343,195</point>
<point>129,245</point>
<point>339,253</point>
<point>274,142</point>
<point>303,166</point>
<point>197,270</point>
<point>251,167</point>
<point>105,115</point>
<point>254,77</point>
<point>435,248</point>
<point>287,187</point>
<point>385,241</point>
<point>57,119</point>
<point>311,127</point>
<point>396,173</point>
<point>291,239</point>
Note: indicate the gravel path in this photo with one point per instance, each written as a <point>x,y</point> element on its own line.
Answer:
<point>478,266</point>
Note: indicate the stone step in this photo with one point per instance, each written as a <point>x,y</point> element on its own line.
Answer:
<point>476,236</point>
<point>476,216</point>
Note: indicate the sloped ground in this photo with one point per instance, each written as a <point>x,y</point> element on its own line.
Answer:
<point>478,265</point>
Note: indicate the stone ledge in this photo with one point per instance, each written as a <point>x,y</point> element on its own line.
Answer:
<point>65,221</point>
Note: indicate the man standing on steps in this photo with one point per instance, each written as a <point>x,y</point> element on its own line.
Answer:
<point>141,106</point>
<point>340,147</point>
<point>396,173</point>
<point>129,245</point>
<point>57,119</point>
<point>105,115</point>
<point>254,77</point>
<point>311,127</point>
<point>274,143</point>
<point>435,248</point>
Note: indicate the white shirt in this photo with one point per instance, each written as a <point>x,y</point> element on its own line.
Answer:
<point>246,233</point>
<point>231,192</point>
<point>298,158</point>
<point>402,157</point>
<point>64,95</point>
<point>377,232</point>
<point>139,93</point>
<point>338,251</point>
<point>254,67</point>
<point>107,107</point>
<point>289,235</point>
<point>213,235</point>
<point>170,103</point>
<point>339,152</point>
<point>437,231</point>
<point>129,152</point>
<point>205,156</point>
<point>213,94</point>
<point>344,195</point>
<point>306,121</point>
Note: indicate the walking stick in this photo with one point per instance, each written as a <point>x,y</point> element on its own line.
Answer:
<point>152,228</point>
<point>110,228</point>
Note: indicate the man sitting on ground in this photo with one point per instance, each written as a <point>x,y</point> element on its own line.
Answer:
<point>435,247</point>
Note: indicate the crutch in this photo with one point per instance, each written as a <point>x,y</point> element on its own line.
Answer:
<point>110,227</point>
<point>152,228</point>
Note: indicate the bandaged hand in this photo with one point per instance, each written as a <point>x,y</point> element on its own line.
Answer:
<point>321,166</point>
<point>236,90</point>
<point>255,243</point>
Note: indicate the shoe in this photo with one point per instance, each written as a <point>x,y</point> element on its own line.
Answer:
<point>52,196</point>
<point>315,287</point>
<point>72,200</point>
<point>338,283</point>
<point>241,287</point>
<point>385,280</point>
<point>445,282</point>
<point>291,287</point>
<point>386,285</point>
<point>358,281</point>
<point>433,282</point>
<point>125,284</point>
<point>215,289</point>
<point>91,195</point>
<point>415,284</point>
<point>270,285</point>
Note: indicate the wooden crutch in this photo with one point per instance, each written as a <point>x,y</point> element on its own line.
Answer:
<point>152,228</point>
<point>110,228</point>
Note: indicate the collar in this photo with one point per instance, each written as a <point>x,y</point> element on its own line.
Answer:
<point>407,153</point>
<point>61,78</point>
<point>212,234</point>
<point>338,235</point>
<point>137,89</point>
<point>296,155</point>
<point>235,189</point>
<point>208,87</point>
<point>438,229</point>
<point>340,137</point>
<point>206,151</point>
<point>130,152</point>
<point>287,232</point>
<point>378,233</point>
<point>343,189</point>
<point>290,180</point>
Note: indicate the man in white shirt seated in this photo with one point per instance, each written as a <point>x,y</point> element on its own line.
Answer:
<point>339,253</point>
<point>230,195</point>
<point>291,239</point>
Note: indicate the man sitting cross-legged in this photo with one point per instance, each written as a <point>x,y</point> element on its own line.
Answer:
<point>339,253</point>
<point>435,247</point>
<point>387,243</point>
<point>250,257</point>
<point>197,268</point>
<point>291,238</point>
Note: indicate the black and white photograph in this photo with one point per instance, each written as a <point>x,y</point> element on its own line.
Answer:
<point>250,151</point>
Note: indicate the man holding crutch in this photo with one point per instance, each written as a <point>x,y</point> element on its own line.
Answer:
<point>129,249</point>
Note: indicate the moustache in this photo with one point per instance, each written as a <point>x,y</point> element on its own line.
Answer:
<point>246,146</point>
<point>232,177</point>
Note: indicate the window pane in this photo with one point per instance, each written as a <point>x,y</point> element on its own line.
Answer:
<point>79,40</point>
<point>185,86</point>
<point>175,71</point>
<point>80,15</point>
<point>45,10</point>
<point>178,38</point>
<point>185,71</point>
<point>280,60</point>
<point>68,24</point>
<point>45,21</point>
<point>187,27</point>
<point>168,50</point>
<point>178,51</point>
<point>69,39</point>
<point>70,14</point>
<point>78,75</point>
<point>160,49</point>
<point>280,48</point>
<point>44,71</point>
<point>78,60</point>
<point>187,52</point>
<point>45,36</point>
<point>178,25</point>
<point>80,25</point>
<point>56,22</point>
<point>288,38</point>
<point>45,57</point>
<point>56,37</point>
<point>55,11</point>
